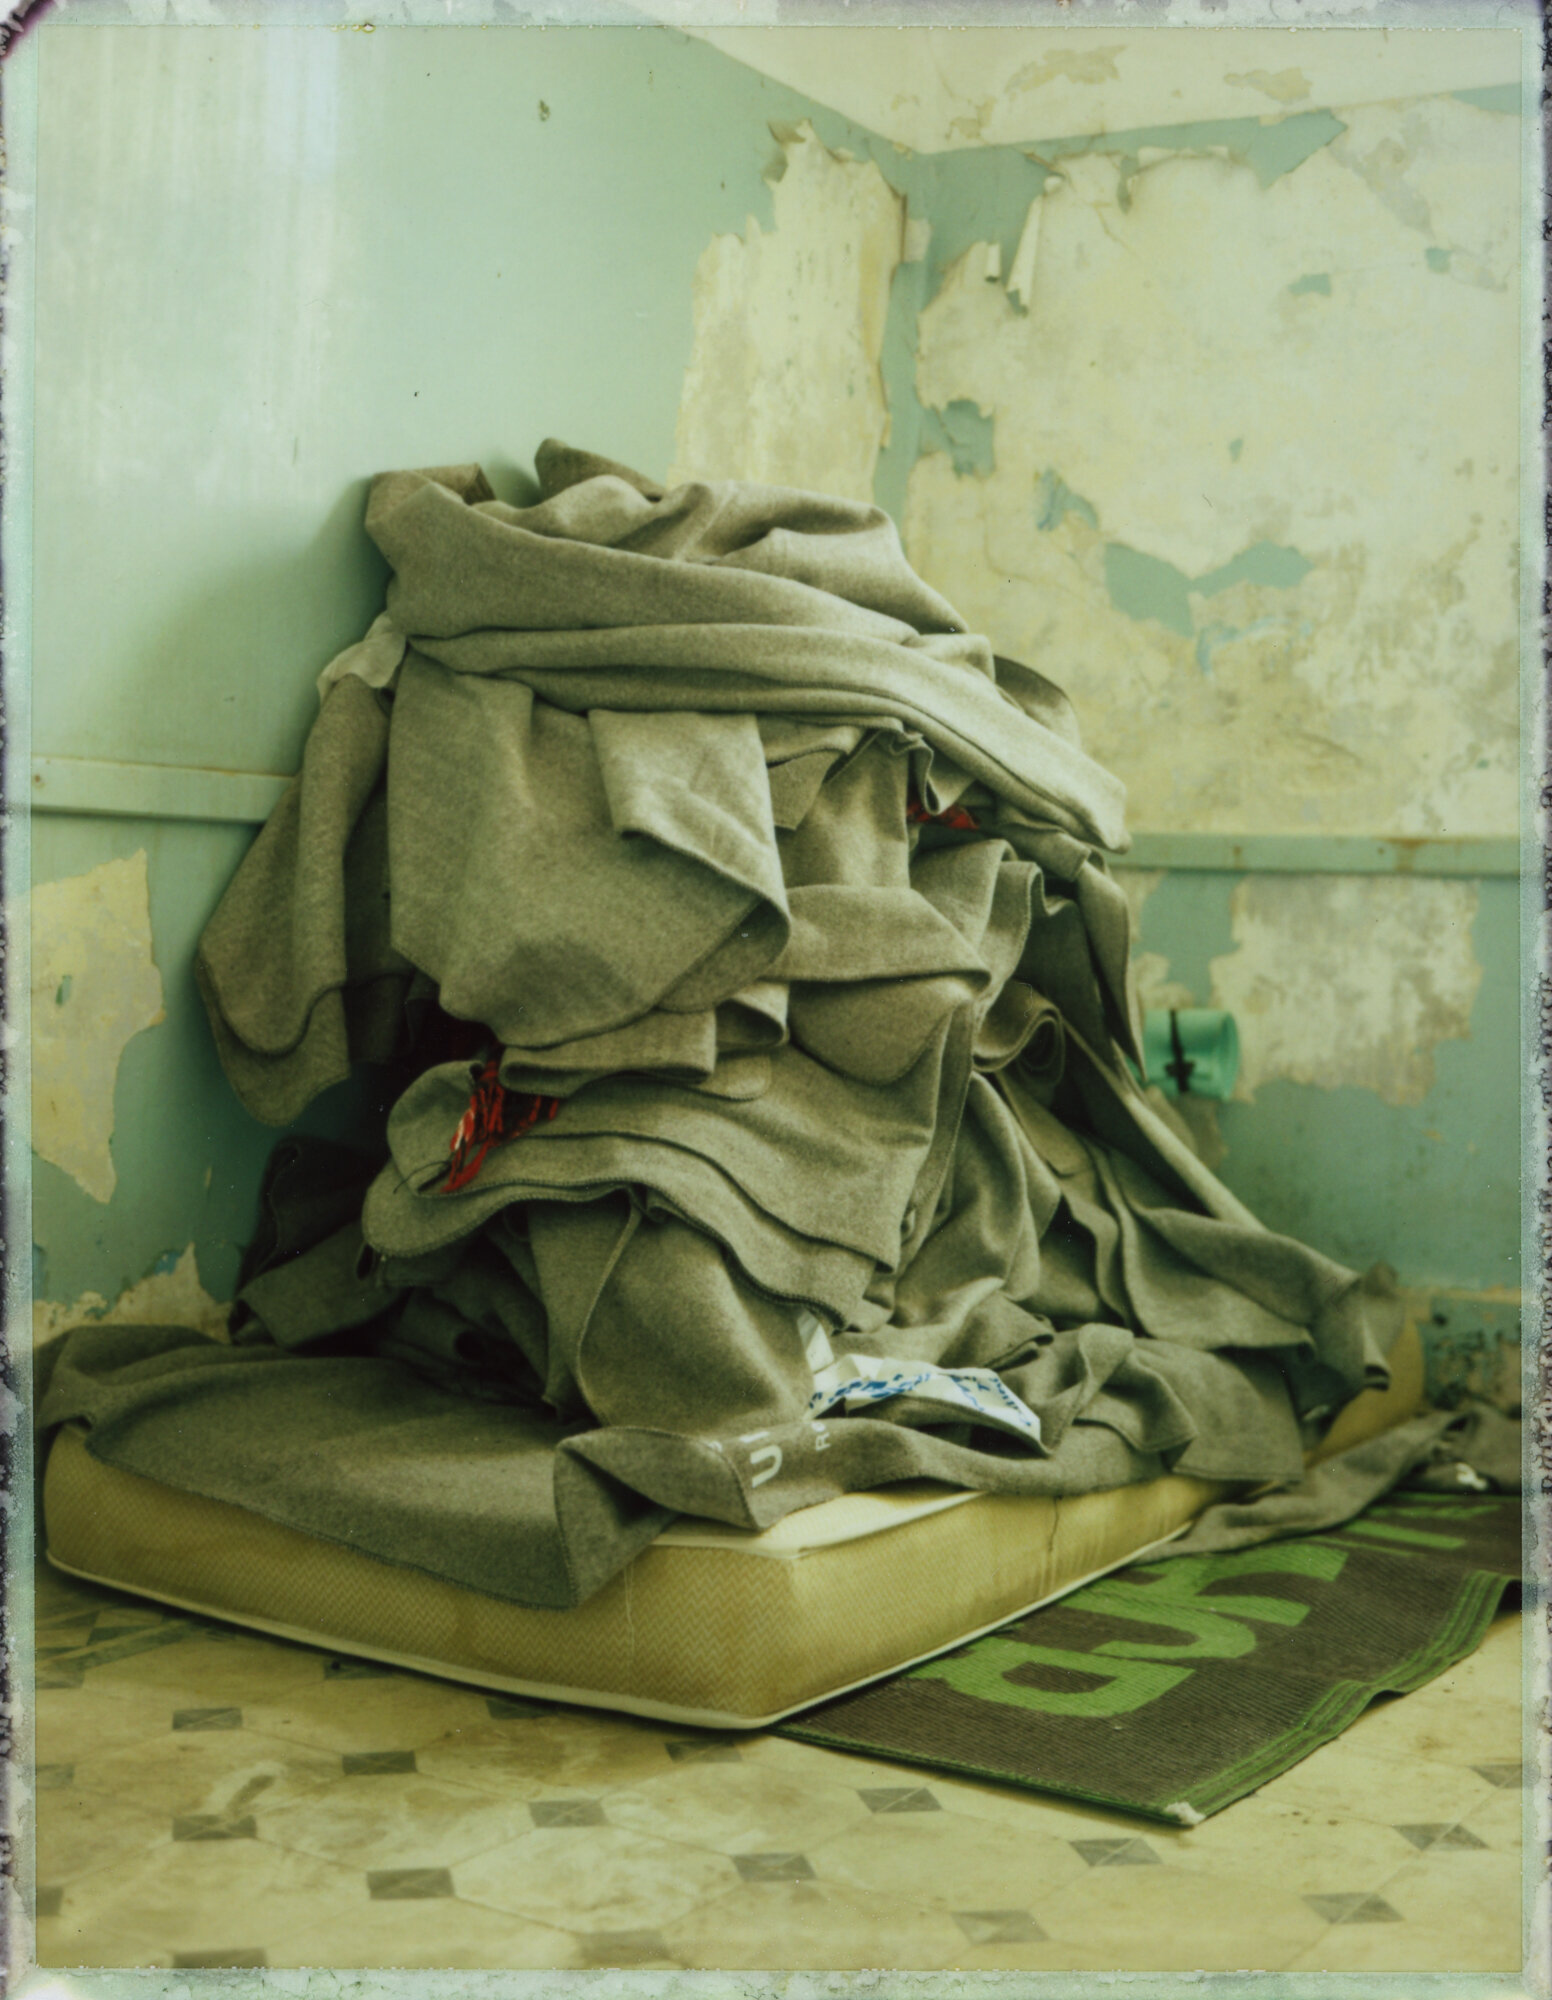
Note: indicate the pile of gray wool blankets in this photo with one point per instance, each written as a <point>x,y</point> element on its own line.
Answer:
<point>737,931</point>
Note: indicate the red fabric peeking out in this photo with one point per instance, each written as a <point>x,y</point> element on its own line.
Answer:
<point>954,816</point>
<point>494,1113</point>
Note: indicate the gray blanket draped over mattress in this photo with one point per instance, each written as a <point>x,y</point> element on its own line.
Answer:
<point>697,829</point>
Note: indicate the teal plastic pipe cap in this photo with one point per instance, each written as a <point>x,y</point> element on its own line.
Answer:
<point>1194,1050</point>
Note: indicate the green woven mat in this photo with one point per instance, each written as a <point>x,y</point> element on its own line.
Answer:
<point>1172,1688</point>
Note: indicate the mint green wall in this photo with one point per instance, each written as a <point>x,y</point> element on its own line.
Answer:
<point>270,263</point>
<point>274,262</point>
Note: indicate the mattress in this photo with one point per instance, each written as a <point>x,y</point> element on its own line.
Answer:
<point>711,1625</point>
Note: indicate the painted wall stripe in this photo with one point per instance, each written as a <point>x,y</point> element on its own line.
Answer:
<point>95,788</point>
<point>152,791</point>
<point>1324,854</point>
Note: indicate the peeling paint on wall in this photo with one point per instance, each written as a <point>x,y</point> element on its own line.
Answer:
<point>928,87</point>
<point>1348,979</point>
<point>94,987</point>
<point>985,205</point>
<point>965,433</point>
<point>1437,167</point>
<point>784,382</point>
<point>1077,64</point>
<point>168,1297</point>
<point>1272,560</point>
<point>1145,586</point>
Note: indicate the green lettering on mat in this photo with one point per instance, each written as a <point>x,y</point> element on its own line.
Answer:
<point>1173,1597</point>
<point>1210,1636</point>
<point>982,1673</point>
<point>1133,1673</point>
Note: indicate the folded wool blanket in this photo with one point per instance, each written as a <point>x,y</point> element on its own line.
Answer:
<point>738,930</point>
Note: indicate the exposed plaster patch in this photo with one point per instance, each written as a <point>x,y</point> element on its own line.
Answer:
<point>1021,274</point>
<point>1287,86</point>
<point>915,82</point>
<point>1348,979</point>
<point>969,338</point>
<point>1437,166</point>
<point>1076,65</point>
<point>1274,569</point>
<point>917,241</point>
<point>94,987</point>
<point>171,1297</point>
<point>784,383</point>
<point>971,125</point>
<point>1382,166</point>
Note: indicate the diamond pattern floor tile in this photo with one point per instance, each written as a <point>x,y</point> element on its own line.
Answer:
<point>708,1752</point>
<point>1117,1853</point>
<point>1438,1834</point>
<point>999,1926</point>
<point>1353,1909</point>
<point>774,1867</point>
<point>212,1799</point>
<point>1502,1775</point>
<point>567,1812</point>
<point>400,1885</point>
<point>625,1948</point>
<point>899,1798</point>
<point>376,1763</point>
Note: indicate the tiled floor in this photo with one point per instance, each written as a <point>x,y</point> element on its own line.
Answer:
<point>206,1797</point>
